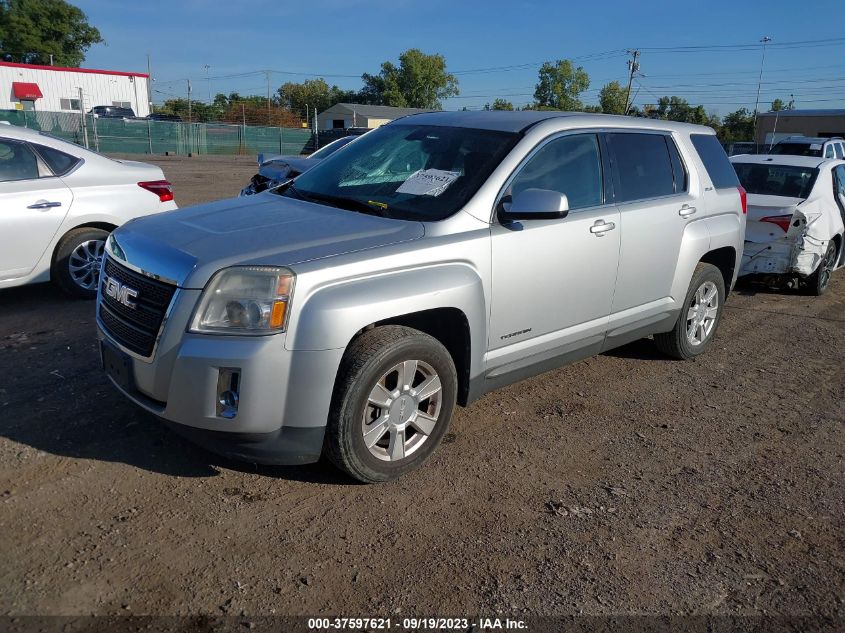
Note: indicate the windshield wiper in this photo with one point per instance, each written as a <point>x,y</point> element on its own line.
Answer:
<point>350,204</point>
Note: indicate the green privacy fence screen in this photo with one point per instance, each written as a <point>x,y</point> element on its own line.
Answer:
<point>140,136</point>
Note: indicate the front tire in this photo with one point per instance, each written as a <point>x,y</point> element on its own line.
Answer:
<point>696,325</point>
<point>76,264</point>
<point>393,401</point>
<point>818,282</point>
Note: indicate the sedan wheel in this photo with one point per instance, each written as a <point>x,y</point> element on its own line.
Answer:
<point>84,263</point>
<point>818,282</point>
<point>76,265</point>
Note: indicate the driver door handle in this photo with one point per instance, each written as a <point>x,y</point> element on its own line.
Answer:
<point>686,211</point>
<point>601,227</point>
<point>44,204</point>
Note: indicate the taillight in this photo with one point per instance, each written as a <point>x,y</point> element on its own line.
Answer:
<point>743,198</point>
<point>783,221</point>
<point>161,188</point>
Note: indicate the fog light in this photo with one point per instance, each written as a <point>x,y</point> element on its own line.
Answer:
<point>228,392</point>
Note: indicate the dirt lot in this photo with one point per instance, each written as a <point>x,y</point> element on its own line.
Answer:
<point>625,484</point>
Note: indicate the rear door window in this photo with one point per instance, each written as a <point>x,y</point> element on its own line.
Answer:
<point>840,152</point>
<point>642,166</point>
<point>716,162</point>
<point>829,151</point>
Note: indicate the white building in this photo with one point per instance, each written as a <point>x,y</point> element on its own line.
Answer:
<point>55,89</point>
<point>346,115</point>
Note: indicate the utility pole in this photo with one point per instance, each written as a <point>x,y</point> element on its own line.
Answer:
<point>149,84</point>
<point>189,100</point>
<point>766,39</point>
<point>633,67</point>
<point>267,73</point>
<point>82,114</point>
<point>208,79</point>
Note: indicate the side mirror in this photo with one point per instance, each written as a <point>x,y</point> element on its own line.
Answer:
<point>534,204</point>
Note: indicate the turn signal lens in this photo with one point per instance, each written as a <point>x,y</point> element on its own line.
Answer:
<point>277,315</point>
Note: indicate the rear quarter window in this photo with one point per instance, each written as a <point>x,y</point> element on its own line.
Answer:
<point>59,162</point>
<point>715,160</point>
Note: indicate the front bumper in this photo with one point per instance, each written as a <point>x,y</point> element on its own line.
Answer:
<point>284,395</point>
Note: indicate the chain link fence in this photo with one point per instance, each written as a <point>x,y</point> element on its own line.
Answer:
<point>142,136</point>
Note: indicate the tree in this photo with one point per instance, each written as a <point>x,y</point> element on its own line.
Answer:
<point>33,30</point>
<point>559,85</point>
<point>777,105</point>
<point>613,98</point>
<point>737,126</point>
<point>501,104</point>
<point>419,81</point>
<point>313,93</point>
<point>678,109</point>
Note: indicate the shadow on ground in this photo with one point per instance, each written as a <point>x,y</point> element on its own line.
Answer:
<point>55,398</point>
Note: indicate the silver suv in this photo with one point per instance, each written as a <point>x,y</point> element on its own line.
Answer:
<point>439,257</point>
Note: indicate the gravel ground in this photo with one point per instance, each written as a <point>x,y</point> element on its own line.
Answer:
<point>624,484</point>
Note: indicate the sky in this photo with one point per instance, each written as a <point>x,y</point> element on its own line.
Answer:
<point>708,53</point>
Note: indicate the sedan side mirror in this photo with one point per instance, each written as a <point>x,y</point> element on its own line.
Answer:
<point>534,204</point>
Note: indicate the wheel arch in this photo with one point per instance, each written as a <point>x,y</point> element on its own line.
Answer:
<point>103,226</point>
<point>445,301</point>
<point>725,259</point>
<point>451,328</point>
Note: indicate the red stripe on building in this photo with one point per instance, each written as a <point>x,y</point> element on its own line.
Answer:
<point>92,71</point>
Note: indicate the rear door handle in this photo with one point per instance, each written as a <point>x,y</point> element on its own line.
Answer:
<point>601,227</point>
<point>686,211</point>
<point>44,204</point>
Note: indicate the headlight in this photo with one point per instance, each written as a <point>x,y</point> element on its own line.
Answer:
<point>245,300</point>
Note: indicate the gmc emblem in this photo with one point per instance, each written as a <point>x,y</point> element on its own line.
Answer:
<point>120,293</point>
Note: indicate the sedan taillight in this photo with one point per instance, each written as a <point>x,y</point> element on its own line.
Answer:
<point>161,188</point>
<point>783,221</point>
<point>743,199</point>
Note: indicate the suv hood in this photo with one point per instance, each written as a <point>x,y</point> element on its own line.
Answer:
<point>188,246</point>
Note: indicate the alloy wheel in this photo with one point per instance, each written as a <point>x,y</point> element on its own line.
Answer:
<point>702,313</point>
<point>84,263</point>
<point>402,410</point>
<point>826,267</point>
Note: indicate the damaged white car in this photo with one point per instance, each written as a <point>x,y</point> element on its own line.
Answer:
<point>796,211</point>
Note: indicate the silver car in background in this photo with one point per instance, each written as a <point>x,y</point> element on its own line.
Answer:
<point>275,170</point>
<point>58,203</point>
<point>433,260</point>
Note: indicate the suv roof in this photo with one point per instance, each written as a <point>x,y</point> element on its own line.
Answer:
<point>809,139</point>
<point>505,121</point>
<point>783,159</point>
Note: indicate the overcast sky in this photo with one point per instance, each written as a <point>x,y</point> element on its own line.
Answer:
<point>501,44</point>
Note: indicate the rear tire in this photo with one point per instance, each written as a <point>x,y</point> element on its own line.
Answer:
<point>392,404</point>
<point>818,282</point>
<point>699,318</point>
<point>76,264</point>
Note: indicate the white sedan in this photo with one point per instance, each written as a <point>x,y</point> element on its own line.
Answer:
<point>58,203</point>
<point>796,218</point>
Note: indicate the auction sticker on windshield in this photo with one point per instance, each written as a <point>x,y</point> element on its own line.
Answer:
<point>428,182</point>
